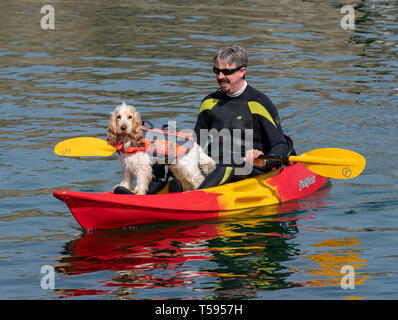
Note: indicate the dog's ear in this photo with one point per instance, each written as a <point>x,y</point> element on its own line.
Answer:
<point>112,137</point>
<point>136,134</point>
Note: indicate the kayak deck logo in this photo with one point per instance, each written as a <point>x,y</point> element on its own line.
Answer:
<point>306,182</point>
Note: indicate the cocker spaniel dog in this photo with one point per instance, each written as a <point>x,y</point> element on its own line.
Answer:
<point>125,131</point>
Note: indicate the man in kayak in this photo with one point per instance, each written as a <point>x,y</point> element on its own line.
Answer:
<point>238,107</point>
<point>240,110</point>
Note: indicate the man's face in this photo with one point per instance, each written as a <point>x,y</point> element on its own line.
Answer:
<point>233,82</point>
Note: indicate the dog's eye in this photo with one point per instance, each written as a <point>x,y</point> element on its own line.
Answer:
<point>130,117</point>
<point>119,117</point>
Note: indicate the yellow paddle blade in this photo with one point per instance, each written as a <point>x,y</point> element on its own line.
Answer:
<point>84,147</point>
<point>332,162</point>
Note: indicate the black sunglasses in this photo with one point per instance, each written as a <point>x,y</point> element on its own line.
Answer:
<point>226,72</point>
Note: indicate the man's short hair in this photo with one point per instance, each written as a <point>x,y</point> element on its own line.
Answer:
<point>232,54</point>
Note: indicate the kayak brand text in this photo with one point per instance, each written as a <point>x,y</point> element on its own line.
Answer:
<point>306,182</point>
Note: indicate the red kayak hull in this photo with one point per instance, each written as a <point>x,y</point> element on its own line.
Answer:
<point>112,211</point>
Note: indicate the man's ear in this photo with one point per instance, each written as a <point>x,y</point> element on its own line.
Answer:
<point>243,72</point>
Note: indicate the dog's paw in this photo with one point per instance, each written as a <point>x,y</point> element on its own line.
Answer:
<point>124,186</point>
<point>140,190</point>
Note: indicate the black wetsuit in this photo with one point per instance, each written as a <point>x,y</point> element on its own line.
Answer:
<point>250,110</point>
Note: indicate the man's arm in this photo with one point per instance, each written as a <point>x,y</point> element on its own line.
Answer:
<point>201,123</point>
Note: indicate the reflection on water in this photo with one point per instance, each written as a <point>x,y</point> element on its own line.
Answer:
<point>328,272</point>
<point>228,259</point>
<point>227,267</point>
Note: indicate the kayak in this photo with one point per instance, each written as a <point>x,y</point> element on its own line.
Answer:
<point>106,210</point>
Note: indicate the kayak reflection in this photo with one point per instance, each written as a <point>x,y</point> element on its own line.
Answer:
<point>231,257</point>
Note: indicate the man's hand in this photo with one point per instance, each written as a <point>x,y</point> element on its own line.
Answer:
<point>251,155</point>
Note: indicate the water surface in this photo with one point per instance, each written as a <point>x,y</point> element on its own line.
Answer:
<point>333,88</point>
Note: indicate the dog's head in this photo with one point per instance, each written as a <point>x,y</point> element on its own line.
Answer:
<point>125,122</point>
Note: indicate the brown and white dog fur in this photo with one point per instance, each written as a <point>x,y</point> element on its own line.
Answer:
<point>125,126</point>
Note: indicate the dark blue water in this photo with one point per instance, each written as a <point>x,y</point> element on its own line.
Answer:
<point>333,88</point>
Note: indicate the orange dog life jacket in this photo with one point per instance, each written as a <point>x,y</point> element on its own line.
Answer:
<point>163,143</point>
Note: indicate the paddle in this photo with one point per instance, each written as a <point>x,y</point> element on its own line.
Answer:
<point>84,147</point>
<point>328,162</point>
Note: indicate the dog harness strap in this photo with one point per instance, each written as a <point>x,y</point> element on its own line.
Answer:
<point>153,131</point>
<point>165,148</point>
<point>143,146</point>
<point>161,143</point>
<point>157,148</point>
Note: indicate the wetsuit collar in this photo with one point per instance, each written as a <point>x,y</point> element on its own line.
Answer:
<point>237,93</point>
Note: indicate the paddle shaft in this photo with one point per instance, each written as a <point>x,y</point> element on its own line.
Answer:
<point>328,162</point>
<point>261,160</point>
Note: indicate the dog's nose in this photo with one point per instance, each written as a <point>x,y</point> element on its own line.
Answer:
<point>123,127</point>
